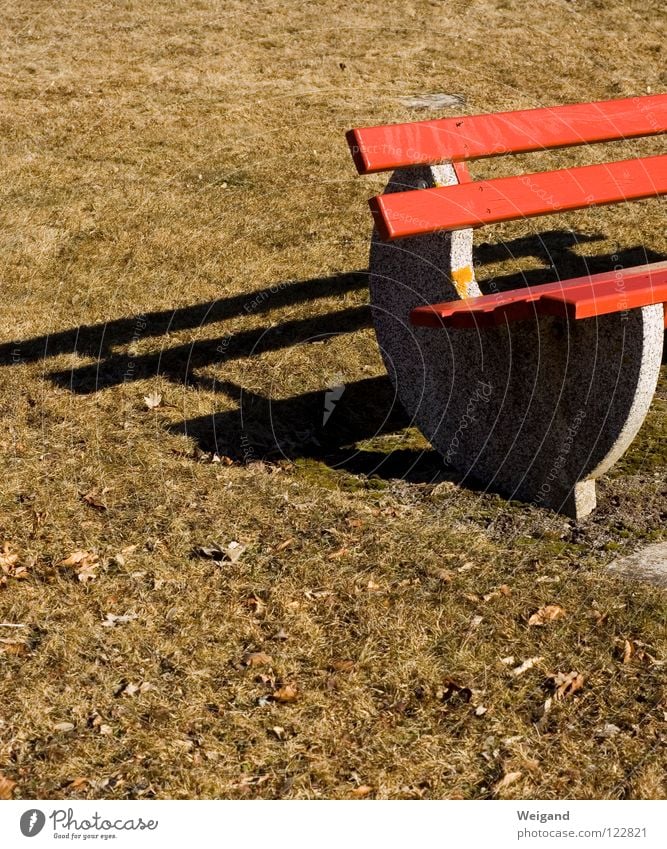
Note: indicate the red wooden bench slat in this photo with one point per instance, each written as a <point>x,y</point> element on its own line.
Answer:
<point>477,136</point>
<point>474,204</point>
<point>581,297</point>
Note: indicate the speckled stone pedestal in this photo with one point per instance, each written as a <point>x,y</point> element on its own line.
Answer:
<point>535,410</point>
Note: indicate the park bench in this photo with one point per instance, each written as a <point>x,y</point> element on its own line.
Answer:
<point>533,392</point>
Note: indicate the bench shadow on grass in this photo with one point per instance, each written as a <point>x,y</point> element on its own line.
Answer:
<point>331,425</point>
<point>327,424</point>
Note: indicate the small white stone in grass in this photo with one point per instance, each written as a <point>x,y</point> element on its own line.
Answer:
<point>607,730</point>
<point>480,710</point>
<point>432,101</point>
<point>64,727</point>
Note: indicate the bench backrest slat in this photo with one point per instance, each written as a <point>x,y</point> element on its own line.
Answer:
<point>474,204</point>
<point>475,137</point>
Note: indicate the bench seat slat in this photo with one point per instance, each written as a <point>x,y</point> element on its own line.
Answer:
<point>477,136</point>
<point>475,204</point>
<point>581,297</point>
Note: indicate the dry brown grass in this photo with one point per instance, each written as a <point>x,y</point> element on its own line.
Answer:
<point>163,163</point>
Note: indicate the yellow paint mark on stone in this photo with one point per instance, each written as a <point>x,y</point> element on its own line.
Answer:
<point>462,278</point>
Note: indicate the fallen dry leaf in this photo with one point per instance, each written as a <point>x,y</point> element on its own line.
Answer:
<point>525,666</point>
<point>85,561</point>
<point>8,558</point>
<point>451,689</point>
<point>234,551</point>
<point>635,650</point>
<point>128,689</point>
<point>567,683</point>
<point>506,780</point>
<point>548,613</point>
<point>217,552</point>
<point>6,787</point>
<point>342,665</point>
<point>88,573</point>
<point>112,620</point>
<point>444,575</point>
<point>628,651</point>
<point>153,400</point>
<point>502,590</point>
<point>76,557</point>
<point>222,458</point>
<point>354,523</point>
<point>95,499</point>
<point>258,658</point>
<point>362,791</point>
<point>285,694</point>
<point>13,647</point>
<point>255,604</point>
<point>315,595</point>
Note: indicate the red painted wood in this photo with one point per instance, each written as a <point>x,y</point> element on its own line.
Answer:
<point>474,204</point>
<point>582,297</point>
<point>462,173</point>
<point>478,136</point>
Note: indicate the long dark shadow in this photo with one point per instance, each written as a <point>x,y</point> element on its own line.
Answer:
<point>98,340</point>
<point>178,363</point>
<point>563,263</point>
<point>324,424</point>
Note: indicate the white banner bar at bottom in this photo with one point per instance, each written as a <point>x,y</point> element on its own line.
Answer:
<point>340,824</point>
